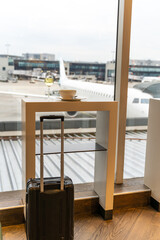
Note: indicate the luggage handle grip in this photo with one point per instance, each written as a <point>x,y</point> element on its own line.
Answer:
<point>41,150</point>
<point>51,117</point>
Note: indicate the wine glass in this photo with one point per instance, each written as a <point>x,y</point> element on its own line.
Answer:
<point>49,81</point>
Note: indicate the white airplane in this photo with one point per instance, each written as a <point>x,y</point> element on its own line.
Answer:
<point>138,102</point>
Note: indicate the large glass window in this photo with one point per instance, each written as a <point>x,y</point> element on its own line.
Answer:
<point>35,36</point>
<point>145,65</point>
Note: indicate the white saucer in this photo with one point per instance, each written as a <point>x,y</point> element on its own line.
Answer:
<point>71,99</point>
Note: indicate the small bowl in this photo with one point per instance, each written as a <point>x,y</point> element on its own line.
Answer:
<point>67,94</point>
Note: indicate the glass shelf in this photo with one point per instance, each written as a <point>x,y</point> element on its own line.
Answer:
<point>70,148</point>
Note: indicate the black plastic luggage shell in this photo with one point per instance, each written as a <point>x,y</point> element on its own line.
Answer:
<point>43,194</point>
<point>33,192</point>
<point>34,183</point>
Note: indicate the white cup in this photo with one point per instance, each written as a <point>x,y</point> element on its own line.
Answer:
<point>67,94</point>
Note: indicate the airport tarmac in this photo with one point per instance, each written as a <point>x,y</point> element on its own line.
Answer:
<point>10,104</point>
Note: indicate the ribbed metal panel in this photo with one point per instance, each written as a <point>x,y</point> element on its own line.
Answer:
<point>79,166</point>
<point>135,148</point>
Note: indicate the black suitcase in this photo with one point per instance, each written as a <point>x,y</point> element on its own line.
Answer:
<point>50,201</point>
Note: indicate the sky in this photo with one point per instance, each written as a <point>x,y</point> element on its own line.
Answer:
<point>82,30</point>
<point>145,30</point>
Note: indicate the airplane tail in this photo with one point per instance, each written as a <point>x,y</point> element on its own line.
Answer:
<point>63,76</point>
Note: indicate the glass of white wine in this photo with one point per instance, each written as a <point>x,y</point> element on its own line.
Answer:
<point>49,81</point>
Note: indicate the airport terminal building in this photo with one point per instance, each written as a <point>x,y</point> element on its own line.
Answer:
<point>91,70</point>
<point>72,68</point>
<point>7,65</point>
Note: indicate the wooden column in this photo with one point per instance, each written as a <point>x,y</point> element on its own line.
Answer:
<point>123,47</point>
<point>105,161</point>
<point>28,143</point>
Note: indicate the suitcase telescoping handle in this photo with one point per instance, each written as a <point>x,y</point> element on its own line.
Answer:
<point>41,152</point>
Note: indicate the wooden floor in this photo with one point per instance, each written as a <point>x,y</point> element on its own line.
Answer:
<point>127,224</point>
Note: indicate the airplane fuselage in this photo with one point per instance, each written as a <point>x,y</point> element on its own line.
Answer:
<point>138,102</point>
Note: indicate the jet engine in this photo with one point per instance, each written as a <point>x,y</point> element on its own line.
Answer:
<point>70,114</point>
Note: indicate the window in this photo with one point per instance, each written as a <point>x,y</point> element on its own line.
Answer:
<point>144,61</point>
<point>145,100</point>
<point>84,37</point>
<point>136,100</point>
